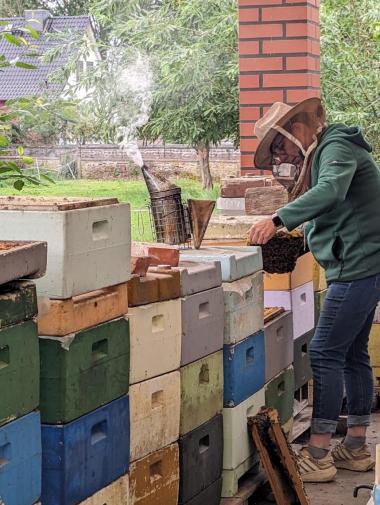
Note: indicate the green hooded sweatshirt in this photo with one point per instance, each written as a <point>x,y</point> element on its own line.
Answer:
<point>342,207</point>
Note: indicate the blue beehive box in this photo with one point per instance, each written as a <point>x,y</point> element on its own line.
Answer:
<point>85,455</point>
<point>244,369</point>
<point>20,460</point>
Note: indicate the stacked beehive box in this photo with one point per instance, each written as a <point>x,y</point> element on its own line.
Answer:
<point>294,293</point>
<point>84,360</point>
<point>243,355</point>
<point>20,433</point>
<point>155,324</point>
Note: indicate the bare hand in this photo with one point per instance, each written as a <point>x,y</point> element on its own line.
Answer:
<point>261,232</point>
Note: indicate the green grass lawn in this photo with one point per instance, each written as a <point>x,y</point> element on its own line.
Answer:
<point>134,192</point>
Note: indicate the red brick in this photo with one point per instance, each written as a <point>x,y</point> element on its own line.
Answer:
<point>249,113</point>
<point>260,97</point>
<point>261,31</point>
<point>140,265</point>
<point>247,15</point>
<point>286,80</point>
<point>252,3</point>
<point>298,95</point>
<point>246,160</point>
<point>302,63</point>
<point>285,46</point>
<point>249,81</point>
<point>249,47</point>
<point>315,80</point>
<point>298,29</point>
<point>247,129</point>
<point>248,145</point>
<point>161,254</point>
<point>285,13</point>
<point>314,47</point>
<point>313,14</point>
<point>260,64</point>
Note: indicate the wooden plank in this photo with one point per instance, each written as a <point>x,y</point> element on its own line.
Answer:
<point>301,423</point>
<point>271,313</point>
<point>277,458</point>
<point>52,203</point>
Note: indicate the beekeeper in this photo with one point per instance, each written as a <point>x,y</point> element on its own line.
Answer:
<point>334,187</point>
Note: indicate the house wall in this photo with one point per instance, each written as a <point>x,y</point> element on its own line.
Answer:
<point>279,49</point>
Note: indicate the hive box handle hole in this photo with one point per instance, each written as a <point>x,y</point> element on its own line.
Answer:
<point>155,471</point>
<point>303,298</point>
<point>281,388</point>
<point>204,310</point>
<point>250,355</point>
<point>99,350</point>
<point>4,356</point>
<point>304,349</point>
<point>158,323</point>
<point>98,432</point>
<point>204,375</point>
<point>204,444</point>
<point>100,230</point>
<point>5,454</point>
<point>280,333</point>
<point>157,399</point>
<point>251,411</point>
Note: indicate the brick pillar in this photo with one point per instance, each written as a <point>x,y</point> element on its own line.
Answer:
<point>279,48</point>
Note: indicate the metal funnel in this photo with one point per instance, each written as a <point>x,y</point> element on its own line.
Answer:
<point>200,214</point>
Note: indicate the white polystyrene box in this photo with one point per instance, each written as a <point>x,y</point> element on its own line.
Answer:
<point>231,206</point>
<point>88,248</point>
<point>154,414</point>
<point>155,339</point>
<point>238,444</point>
<point>300,301</point>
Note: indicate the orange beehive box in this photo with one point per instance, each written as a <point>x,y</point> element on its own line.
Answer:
<point>302,274</point>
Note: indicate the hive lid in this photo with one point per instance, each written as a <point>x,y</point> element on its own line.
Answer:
<point>52,203</point>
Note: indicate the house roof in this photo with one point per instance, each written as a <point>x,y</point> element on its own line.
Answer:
<point>18,82</point>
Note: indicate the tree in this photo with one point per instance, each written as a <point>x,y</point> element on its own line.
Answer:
<point>351,64</point>
<point>192,45</point>
<point>15,8</point>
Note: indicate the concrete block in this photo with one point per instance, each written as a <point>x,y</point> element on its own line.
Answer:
<point>319,299</point>
<point>19,371</point>
<point>88,249</point>
<point>300,301</point>
<point>154,480</point>
<point>278,344</point>
<point>116,493</point>
<point>319,277</point>
<point>238,444</point>
<point>202,324</point>
<point>244,369</point>
<point>265,201</point>
<point>18,302</point>
<point>301,364</point>
<point>160,254</point>
<point>155,331</point>
<point>231,477</point>
<point>197,277</point>
<point>209,496</point>
<point>231,206</point>
<point>302,273</point>
<point>374,345</point>
<point>201,391</point>
<point>243,308</point>
<point>21,259</point>
<point>279,394</point>
<point>155,411</point>
<point>236,263</point>
<point>84,370</point>
<point>200,458</point>
<point>61,317</point>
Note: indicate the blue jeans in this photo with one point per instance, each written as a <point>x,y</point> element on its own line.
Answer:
<point>339,354</point>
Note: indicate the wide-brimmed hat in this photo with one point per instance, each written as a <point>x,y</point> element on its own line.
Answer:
<point>279,115</point>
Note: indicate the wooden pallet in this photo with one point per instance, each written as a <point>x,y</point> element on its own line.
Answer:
<point>248,485</point>
<point>271,313</point>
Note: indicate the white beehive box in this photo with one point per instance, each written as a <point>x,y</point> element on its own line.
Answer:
<point>89,245</point>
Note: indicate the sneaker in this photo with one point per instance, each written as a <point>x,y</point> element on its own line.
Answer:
<point>315,470</point>
<point>357,460</point>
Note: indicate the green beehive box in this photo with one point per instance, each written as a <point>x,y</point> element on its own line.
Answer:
<point>319,298</point>
<point>18,302</point>
<point>279,394</point>
<point>19,370</point>
<point>84,370</point>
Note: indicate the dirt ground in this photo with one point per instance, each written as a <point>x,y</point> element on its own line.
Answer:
<point>340,492</point>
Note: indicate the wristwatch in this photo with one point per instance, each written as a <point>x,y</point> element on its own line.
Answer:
<point>277,220</point>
